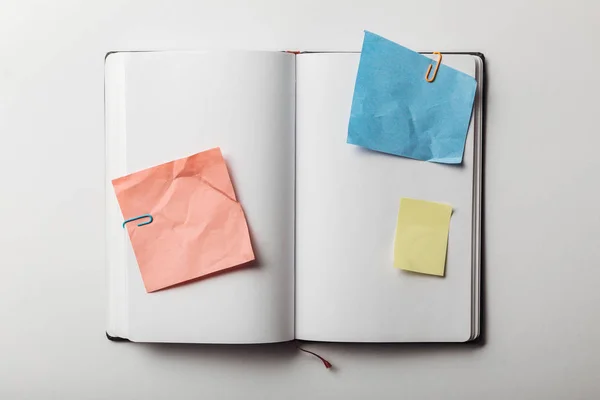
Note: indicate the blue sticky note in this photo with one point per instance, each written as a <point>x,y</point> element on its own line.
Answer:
<point>395,110</point>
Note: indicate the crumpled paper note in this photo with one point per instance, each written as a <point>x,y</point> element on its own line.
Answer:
<point>395,110</point>
<point>199,227</point>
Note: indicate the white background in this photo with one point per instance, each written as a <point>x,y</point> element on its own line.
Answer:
<point>542,225</point>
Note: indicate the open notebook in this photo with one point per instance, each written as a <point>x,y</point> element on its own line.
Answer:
<point>321,212</point>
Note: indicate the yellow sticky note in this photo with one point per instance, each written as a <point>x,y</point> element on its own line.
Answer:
<point>422,236</point>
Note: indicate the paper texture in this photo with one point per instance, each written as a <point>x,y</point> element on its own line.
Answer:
<point>346,287</point>
<point>199,228</point>
<point>395,110</point>
<point>160,107</point>
<point>422,236</point>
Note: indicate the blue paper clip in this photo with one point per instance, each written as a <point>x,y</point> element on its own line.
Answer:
<point>140,217</point>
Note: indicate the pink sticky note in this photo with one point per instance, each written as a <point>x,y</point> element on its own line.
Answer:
<point>199,228</point>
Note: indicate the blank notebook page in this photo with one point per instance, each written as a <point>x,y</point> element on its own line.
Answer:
<point>174,104</point>
<point>347,201</point>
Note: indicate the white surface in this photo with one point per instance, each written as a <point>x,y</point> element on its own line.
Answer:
<point>541,230</point>
<point>167,105</point>
<point>347,289</point>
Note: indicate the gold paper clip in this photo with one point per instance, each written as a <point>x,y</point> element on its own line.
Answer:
<point>439,61</point>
